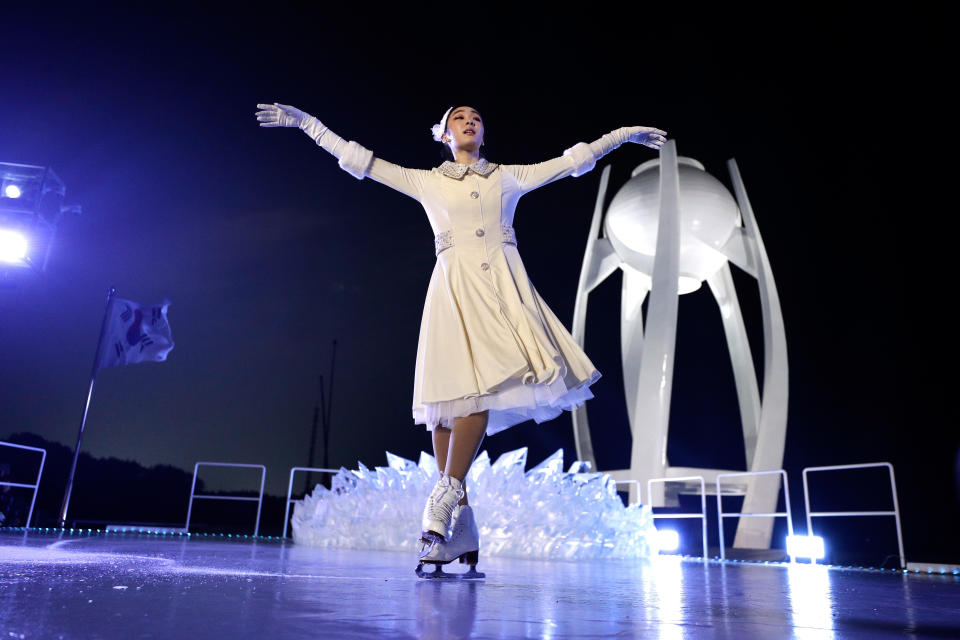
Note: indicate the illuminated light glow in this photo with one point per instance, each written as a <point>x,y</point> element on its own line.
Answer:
<point>668,539</point>
<point>13,246</point>
<point>12,191</point>
<point>665,592</point>
<point>805,547</point>
<point>812,607</point>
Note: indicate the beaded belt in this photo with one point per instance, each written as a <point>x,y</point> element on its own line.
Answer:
<point>444,239</point>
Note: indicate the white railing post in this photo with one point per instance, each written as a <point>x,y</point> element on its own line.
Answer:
<point>779,514</point>
<point>825,514</point>
<point>703,505</point>
<point>286,505</point>
<point>196,496</point>
<point>35,486</point>
<point>639,488</point>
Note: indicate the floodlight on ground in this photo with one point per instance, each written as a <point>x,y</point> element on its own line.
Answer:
<point>810,547</point>
<point>668,539</point>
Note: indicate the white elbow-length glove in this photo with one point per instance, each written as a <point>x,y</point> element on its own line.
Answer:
<point>586,155</point>
<point>352,157</point>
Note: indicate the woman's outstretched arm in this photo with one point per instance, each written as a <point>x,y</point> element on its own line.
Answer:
<point>353,158</point>
<point>582,157</point>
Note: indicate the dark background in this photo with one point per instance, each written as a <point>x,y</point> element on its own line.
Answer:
<point>269,252</point>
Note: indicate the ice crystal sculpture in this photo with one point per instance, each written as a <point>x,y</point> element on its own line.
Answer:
<point>541,513</point>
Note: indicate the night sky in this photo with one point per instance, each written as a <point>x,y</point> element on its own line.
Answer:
<point>268,251</point>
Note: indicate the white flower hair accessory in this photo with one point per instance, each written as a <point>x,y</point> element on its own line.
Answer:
<point>441,127</point>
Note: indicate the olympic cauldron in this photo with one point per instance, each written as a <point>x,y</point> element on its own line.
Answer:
<point>669,228</point>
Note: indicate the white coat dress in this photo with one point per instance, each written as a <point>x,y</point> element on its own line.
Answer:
<point>487,338</point>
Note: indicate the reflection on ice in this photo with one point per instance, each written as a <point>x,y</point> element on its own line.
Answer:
<point>811,601</point>
<point>663,594</point>
<point>444,613</point>
<point>541,513</point>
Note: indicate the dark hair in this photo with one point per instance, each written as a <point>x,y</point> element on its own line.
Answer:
<point>445,152</point>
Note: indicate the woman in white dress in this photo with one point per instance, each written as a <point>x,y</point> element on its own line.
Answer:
<point>491,353</point>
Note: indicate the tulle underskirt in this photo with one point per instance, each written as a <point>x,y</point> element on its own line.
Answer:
<point>512,403</point>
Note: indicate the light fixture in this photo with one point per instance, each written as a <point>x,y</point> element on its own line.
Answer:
<point>31,207</point>
<point>13,246</point>
<point>668,540</point>
<point>810,547</point>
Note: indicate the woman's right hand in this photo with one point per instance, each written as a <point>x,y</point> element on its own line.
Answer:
<point>280,115</point>
<point>648,136</point>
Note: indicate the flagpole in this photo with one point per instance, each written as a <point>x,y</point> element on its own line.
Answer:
<point>111,295</point>
<point>326,417</point>
<point>313,438</point>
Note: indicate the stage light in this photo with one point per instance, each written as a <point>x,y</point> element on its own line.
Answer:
<point>31,208</point>
<point>13,246</point>
<point>805,547</point>
<point>668,539</point>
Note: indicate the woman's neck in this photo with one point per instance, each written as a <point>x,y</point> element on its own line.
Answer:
<point>463,156</point>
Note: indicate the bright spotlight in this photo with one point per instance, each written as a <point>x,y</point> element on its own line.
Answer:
<point>13,246</point>
<point>805,547</point>
<point>668,539</point>
<point>31,208</point>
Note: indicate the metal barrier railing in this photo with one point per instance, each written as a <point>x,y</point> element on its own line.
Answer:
<point>779,514</point>
<point>703,505</point>
<point>35,486</point>
<point>823,514</point>
<point>194,496</point>
<point>286,507</point>
<point>636,482</point>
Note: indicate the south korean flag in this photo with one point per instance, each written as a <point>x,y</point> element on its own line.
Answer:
<point>136,333</point>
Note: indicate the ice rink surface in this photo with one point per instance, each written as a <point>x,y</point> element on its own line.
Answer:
<point>139,586</point>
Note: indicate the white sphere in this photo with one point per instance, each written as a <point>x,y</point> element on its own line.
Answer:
<point>708,215</point>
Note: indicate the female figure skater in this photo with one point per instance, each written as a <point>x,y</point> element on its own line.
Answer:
<point>491,353</point>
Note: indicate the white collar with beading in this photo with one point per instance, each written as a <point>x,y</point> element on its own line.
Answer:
<point>457,170</point>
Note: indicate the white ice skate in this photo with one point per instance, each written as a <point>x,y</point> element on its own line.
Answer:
<point>438,513</point>
<point>463,545</point>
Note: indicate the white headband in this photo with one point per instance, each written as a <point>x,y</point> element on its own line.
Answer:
<point>441,127</point>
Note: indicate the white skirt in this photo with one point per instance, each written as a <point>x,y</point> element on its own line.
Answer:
<point>488,341</point>
<point>515,402</point>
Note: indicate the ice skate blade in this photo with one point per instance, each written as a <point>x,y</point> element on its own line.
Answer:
<point>431,536</point>
<point>439,574</point>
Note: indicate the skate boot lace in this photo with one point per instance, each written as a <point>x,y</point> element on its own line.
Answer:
<point>440,505</point>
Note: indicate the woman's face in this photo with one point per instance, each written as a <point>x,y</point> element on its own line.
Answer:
<point>464,129</point>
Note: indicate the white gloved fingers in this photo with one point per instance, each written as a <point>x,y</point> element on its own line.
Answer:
<point>279,115</point>
<point>648,136</point>
<point>268,116</point>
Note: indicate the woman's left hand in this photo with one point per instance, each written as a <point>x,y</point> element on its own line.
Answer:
<point>280,115</point>
<point>648,136</point>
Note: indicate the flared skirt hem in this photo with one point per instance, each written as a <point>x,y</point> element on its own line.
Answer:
<point>512,403</point>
